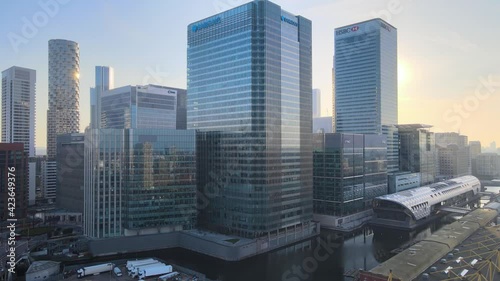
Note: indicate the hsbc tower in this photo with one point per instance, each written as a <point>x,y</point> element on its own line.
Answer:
<point>366,88</point>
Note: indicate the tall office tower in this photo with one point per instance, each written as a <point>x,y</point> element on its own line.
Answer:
<point>366,82</point>
<point>333,97</point>
<point>316,103</point>
<point>13,166</point>
<point>350,170</point>
<point>104,81</point>
<point>63,115</point>
<point>139,181</point>
<point>250,80</point>
<point>453,155</point>
<point>417,151</point>
<point>131,107</point>
<point>18,107</point>
<point>70,171</point>
<point>18,116</point>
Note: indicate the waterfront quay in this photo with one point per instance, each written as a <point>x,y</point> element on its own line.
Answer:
<point>224,247</point>
<point>185,274</point>
<point>447,252</point>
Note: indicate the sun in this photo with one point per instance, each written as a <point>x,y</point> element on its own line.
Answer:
<point>404,73</point>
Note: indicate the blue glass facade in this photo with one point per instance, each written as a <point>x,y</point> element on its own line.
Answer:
<point>366,93</point>
<point>139,181</point>
<point>249,95</point>
<point>139,107</point>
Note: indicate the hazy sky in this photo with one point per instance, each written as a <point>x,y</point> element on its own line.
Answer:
<point>449,63</point>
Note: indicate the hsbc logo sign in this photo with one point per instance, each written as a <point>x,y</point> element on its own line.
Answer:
<point>347,30</point>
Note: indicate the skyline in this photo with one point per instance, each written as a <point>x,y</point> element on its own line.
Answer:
<point>444,66</point>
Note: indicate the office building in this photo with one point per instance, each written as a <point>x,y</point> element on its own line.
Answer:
<point>139,181</point>
<point>323,125</point>
<point>417,151</point>
<point>475,149</point>
<point>13,165</point>
<point>366,89</point>
<point>493,146</point>
<point>333,96</point>
<point>63,115</point>
<point>18,116</point>
<point>453,155</point>
<point>350,170</point>
<point>49,180</point>
<point>316,103</point>
<point>250,92</point>
<point>488,165</point>
<point>18,107</point>
<point>70,172</point>
<point>142,107</point>
<point>104,81</point>
<point>403,181</point>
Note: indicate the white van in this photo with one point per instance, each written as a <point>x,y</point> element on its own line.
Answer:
<point>117,271</point>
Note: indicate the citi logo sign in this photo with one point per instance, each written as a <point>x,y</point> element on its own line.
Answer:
<point>347,30</point>
<point>287,20</point>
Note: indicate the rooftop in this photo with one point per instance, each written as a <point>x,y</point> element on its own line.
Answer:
<point>415,260</point>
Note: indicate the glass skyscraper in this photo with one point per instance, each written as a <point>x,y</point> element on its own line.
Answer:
<point>366,89</point>
<point>142,107</point>
<point>250,95</point>
<point>104,81</point>
<point>139,181</point>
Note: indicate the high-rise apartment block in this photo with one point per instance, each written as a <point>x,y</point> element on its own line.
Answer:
<point>250,93</point>
<point>63,115</point>
<point>366,89</point>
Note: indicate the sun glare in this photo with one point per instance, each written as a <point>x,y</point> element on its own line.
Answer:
<point>404,74</point>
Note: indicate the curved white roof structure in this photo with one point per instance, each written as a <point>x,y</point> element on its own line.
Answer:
<point>419,200</point>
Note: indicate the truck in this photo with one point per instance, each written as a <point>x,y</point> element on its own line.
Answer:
<point>134,263</point>
<point>169,276</point>
<point>154,271</point>
<point>135,271</point>
<point>94,269</point>
<point>117,272</point>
